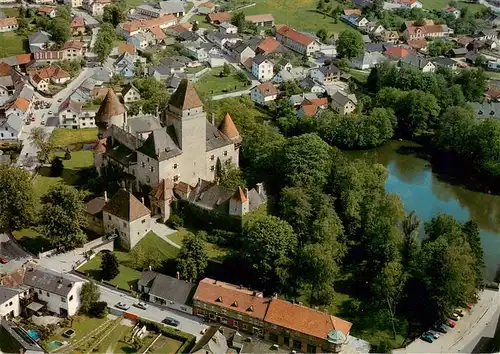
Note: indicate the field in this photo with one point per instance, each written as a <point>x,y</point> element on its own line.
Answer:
<point>13,44</point>
<point>211,84</point>
<point>300,14</point>
<point>32,241</point>
<point>439,4</point>
<point>165,345</point>
<point>62,137</point>
<point>11,12</point>
<point>202,21</point>
<point>213,251</point>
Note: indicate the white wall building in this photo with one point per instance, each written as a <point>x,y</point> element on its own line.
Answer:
<point>264,93</point>
<point>9,303</point>
<point>262,68</point>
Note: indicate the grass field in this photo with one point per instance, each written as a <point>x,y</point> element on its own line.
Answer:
<point>202,21</point>
<point>11,12</point>
<point>63,137</point>
<point>300,14</point>
<point>31,240</point>
<point>13,44</point>
<point>165,345</point>
<point>213,251</point>
<point>439,4</point>
<point>116,341</point>
<point>211,84</point>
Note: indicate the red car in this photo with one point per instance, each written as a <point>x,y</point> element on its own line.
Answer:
<point>3,260</point>
<point>33,118</point>
<point>451,323</point>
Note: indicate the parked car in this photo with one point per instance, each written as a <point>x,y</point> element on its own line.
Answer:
<point>60,100</point>
<point>441,329</point>
<point>4,260</point>
<point>454,317</point>
<point>171,321</point>
<point>451,323</point>
<point>28,122</point>
<point>141,305</point>
<point>42,122</point>
<point>427,338</point>
<point>50,112</point>
<point>434,334</point>
<point>122,306</point>
<point>33,117</point>
<point>460,312</point>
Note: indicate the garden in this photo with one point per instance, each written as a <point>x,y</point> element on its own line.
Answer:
<point>221,80</point>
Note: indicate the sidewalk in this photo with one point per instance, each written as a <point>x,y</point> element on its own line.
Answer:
<point>163,231</point>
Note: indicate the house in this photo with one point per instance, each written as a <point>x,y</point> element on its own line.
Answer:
<point>201,51</point>
<point>41,78</point>
<point>389,36</point>
<point>162,8</point>
<point>486,109</point>
<point>368,60</point>
<point>352,12</point>
<point>417,62</point>
<point>296,100</point>
<point>140,40</point>
<point>451,10</point>
<point>216,18</point>
<point>241,52</point>
<point>206,8</point>
<point>126,48</point>
<point>95,7</point>
<point>264,93</point>
<point>48,56</point>
<point>130,93</point>
<point>268,46</point>
<point>10,127</point>
<point>289,74</point>
<point>221,38</point>
<point>130,28</point>
<point>93,209</point>
<point>325,74</point>
<point>429,29</point>
<point>127,217</point>
<point>311,108</point>
<point>38,41</point>
<point>231,305</point>
<point>303,329</point>
<point>378,47</point>
<point>167,291</point>
<point>262,68</point>
<point>212,342</point>
<point>401,4</point>
<point>8,24</point>
<point>9,303</point>
<point>178,29</point>
<point>309,85</point>
<point>358,22</point>
<point>73,3</point>
<point>73,115</point>
<point>396,53</point>
<point>417,44</point>
<point>72,50</point>
<point>228,28</point>
<point>126,64</point>
<point>19,107</point>
<point>297,41</point>
<point>60,292</point>
<point>262,20</point>
<point>444,63</point>
<point>77,26</point>
<point>458,52</point>
<point>168,66</point>
<point>48,11</point>
<point>343,103</point>
<point>485,35</point>
<point>375,29</point>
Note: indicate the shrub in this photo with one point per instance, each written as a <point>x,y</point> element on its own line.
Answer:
<point>175,221</point>
<point>99,309</point>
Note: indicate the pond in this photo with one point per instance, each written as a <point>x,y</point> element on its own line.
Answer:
<point>421,189</point>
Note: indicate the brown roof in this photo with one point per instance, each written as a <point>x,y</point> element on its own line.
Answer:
<point>493,92</point>
<point>158,33</point>
<point>78,22</point>
<point>23,58</point>
<point>4,69</point>
<point>208,4</point>
<point>126,48</point>
<point>132,26</point>
<point>232,297</point>
<point>260,18</point>
<point>229,129</point>
<point>304,319</point>
<point>185,97</point>
<point>9,21</point>
<point>95,205</point>
<point>269,45</point>
<point>110,107</point>
<point>125,206</point>
<point>21,103</point>
<point>396,52</point>
<point>46,9</point>
<point>350,12</point>
<point>52,71</point>
<point>309,110</point>
<point>429,28</point>
<point>73,45</point>
<point>164,191</point>
<point>219,17</point>
<point>289,32</point>
<point>267,89</point>
<point>239,195</point>
<point>248,63</point>
<point>183,187</point>
<point>183,27</point>
<point>463,40</point>
<point>100,92</point>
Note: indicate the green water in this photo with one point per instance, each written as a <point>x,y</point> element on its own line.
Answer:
<point>422,190</point>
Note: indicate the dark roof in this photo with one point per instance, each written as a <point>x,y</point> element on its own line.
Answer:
<point>331,69</point>
<point>415,61</point>
<point>259,59</point>
<point>185,97</point>
<point>210,195</point>
<point>160,146</point>
<point>6,294</point>
<point>340,98</point>
<point>122,154</point>
<point>166,287</point>
<point>307,83</point>
<point>48,280</point>
<point>215,139</point>
<point>378,47</point>
<point>126,206</point>
<point>129,87</point>
<point>147,278</point>
<point>143,124</point>
<point>188,36</point>
<point>95,205</point>
<point>443,61</point>
<point>239,47</point>
<point>459,51</point>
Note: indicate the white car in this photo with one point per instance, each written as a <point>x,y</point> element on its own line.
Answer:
<point>122,306</point>
<point>142,305</point>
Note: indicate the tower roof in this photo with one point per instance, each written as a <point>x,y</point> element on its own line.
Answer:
<point>185,97</point>
<point>110,107</point>
<point>229,129</point>
<point>125,206</point>
<point>240,195</point>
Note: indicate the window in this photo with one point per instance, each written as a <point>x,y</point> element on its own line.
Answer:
<point>212,168</point>
<point>124,224</point>
<point>297,344</point>
<point>225,153</point>
<point>151,168</point>
<point>148,159</point>
<point>211,316</point>
<point>63,299</point>
<point>109,217</point>
<point>48,294</point>
<point>223,320</point>
<point>10,303</point>
<point>244,326</point>
<point>39,291</point>
<point>176,178</point>
<point>148,180</point>
<point>143,164</point>
<point>175,165</point>
<point>235,323</point>
<point>71,297</point>
<point>212,157</point>
<point>143,221</point>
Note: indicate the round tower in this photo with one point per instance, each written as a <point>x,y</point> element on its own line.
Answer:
<point>111,112</point>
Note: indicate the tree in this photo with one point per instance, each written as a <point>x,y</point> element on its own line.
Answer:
<point>349,44</point>
<point>89,296</point>
<point>410,227</point>
<point>480,60</point>
<point>195,27</point>
<point>134,109</point>
<point>62,217</point>
<point>417,111</point>
<point>322,35</point>
<point>192,259</point>
<point>17,200</point>
<point>64,12</point>
<point>143,260</point>
<point>114,14</point>
<point>109,266</point>
<point>99,309</point>
<point>104,42</point>
<point>238,19</point>
<point>60,30</point>
<point>226,69</point>
<point>40,138</point>
<point>155,94</point>
<point>320,6</point>
<point>471,231</point>
<point>439,47</point>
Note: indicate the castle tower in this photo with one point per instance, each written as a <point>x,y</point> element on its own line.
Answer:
<point>228,128</point>
<point>111,112</point>
<point>185,113</point>
<point>239,204</point>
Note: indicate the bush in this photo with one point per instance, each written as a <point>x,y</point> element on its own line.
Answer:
<point>175,221</point>
<point>222,238</point>
<point>99,309</point>
<point>206,219</point>
<point>56,167</point>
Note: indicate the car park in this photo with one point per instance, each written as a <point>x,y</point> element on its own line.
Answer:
<point>42,122</point>
<point>427,338</point>
<point>141,305</point>
<point>122,306</point>
<point>460,312</point>
<point>454,317</point>
<point>441,328</point>
<point>171,321</point>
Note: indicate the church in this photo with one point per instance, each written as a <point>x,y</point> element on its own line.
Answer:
<point>176,153</point>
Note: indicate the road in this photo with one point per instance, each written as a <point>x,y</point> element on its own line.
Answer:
<point>477,323</point>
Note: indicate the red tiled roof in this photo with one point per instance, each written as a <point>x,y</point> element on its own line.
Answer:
<point>289,32</point>
<point>132,26</point>
<point>428,28</point>
<point>323,101</point>
<point>463,40</point>
<point>239,195</point>
<point>260,18</point>
<point>208,4</point>
<point>23,58</point>
<point>219,17</point>
<point>21,103</point>
<point>493,92</point>
<point>46,9</point>
<point>309,110</point>
<point>231,297</point>
<point>269,45</point>
<point>73,45</point>
<point>126,48</point>
<point>417,43</point>
<point>78,22</point>
<point>9,21</point>
<point>52,71</point>
<point>158,33</point>
<point>396,52</point>
<point>4,69</point>
<point>350,12</point>
<point>304,319</point>
<point>183,27</point>
<point>267,89</point>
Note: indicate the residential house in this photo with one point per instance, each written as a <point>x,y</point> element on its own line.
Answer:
<point>297,41</point>
<point>8,24</point>
<point>486,109</point>
<point>130,93</point>
<point>127,217</point>
<point>220,38</point>
<point>376,29</point>
<point>216,18</point>
<point>178,29</point>
<point>73,50</point>
<point>20,107</point>
<point>417,62</point>
<point>167,291</point>
<point>303,329</point>
<point>311,108</point>
<point>228,28</point>
<point>343,103</point>
<point>77,26</point>
<point>418,45</point>
<point>401,4</point>
<point>241,52</point>
<point>445,63</point>
<point>140,40</point>
<point>485,35</point>
<point>358,22</point>
<point>167,67</point>
<point>262,20</point>
<point>296,100</point>
<point>396,53</point>
<point>262,68</point>
<point>60,292</point>
<point>41,78</point>
<point>268,46</point>
<point>73,3</point>
<point>73,115</point>
<point>130,28</point>
<point>126,64</point>
<point>458,52</point>
<point>201,51</point>
<point>95,7</point>
<point>48,11</point>
<point>352,12</point>
<point>231,305</point>
<point>389,36</point>
<point>38,41</point>
<point>429,29</point>
<point>206,8</point>
<point>451,10</point>
<point>10,127</point>
<point>368,60</point>
<point>48,56</point>
<point>378,47</point>
<point>309,85</point>
<point>212,342</point>
<point>289,74</point>
<point>264,93</point>
<point>9,303</point>
<point>325,74</point>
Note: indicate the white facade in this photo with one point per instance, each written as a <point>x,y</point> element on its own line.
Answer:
<point>257,97</point>
<point>131,95</point>
<point>263,71</point>
<point>74,3</point>
<point>76,120</point>
<point>171,304</point>
<point>130,232</point>
<point>11,307</point>
<point>69,304</point>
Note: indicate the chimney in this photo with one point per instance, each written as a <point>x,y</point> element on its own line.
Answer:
<point>213,119</point>
<point>106,196</point>
<point>142,200</point>
<point>178,275</point>
<point>259,188</point>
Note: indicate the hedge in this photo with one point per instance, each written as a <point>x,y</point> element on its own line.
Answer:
<point>188,339</point>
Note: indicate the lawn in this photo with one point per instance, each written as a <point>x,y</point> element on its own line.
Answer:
<point>202,21</point>
<point>32,241</point>
<point>439,4</point>
<point>213,251</point>
<point>13,44</point>
<point>211,84</point>
<point>300,14</point>
<point>116,341</point>
<point>194,70</point>
<point>165,345</point>
<point>63,137</point>
<point>360,75</point>
<point>11,12</point>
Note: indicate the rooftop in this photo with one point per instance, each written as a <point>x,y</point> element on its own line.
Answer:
<point>126,206</point>
<point>185,97</point>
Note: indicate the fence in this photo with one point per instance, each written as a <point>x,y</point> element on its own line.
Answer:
<point>99,244</point>
<point>195,76</point>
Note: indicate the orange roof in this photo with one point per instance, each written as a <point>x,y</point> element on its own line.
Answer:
<point>183,187</point>
<point>289,32</point>
<point>323,101</point>
<point>228,128</point>
<point>126,48</point>
<point>493,92</point>
<point>9,21</point>
<point>260,18</point>
<point>239,195</point>
<point>21,103</point>
<point>219,17</point>
<point>23,59</point>
<point>428,28</point>
<point>269,45</point>
<point>396,52</point>
<point>208,4</point>
<point>52,71</point>
<point>158,33</point>
<point>78,22</point>
<point>304,319</point>
<point>100,92</point>
<point>132,26</point>
<point>46,9</point>
<point>417,43</point>
<point>183,27</point>
<point>267,89</point>
<point>350,12</point>
<point>232,297</point>
<point>309,110</point>
<point>4,69</point>
<point>73,45</point>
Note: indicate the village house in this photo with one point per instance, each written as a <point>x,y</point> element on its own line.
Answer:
<point>396,53</point>
<point>262,68</point>
<point>228,28</point>
<point>9,303</point>
<point>77,26</point>
<point>59,293</point>
<point>212,342</point>
<point>48,11</point>
<point>263,20</point>
<point>141,40</point>
<point>264,93</point>
<point>126,64</point>
<point>402,4</point>
<point>41,78</point>
<point>297,41</point>
<point>8,24</point>
<point>48,56</point>
<point>95,7</point>
<point>241,51</point>
<point>418,45</point>
<point>309,85</point>
<point>429,29</point>
<point>38,41</point>
<point>311,108</point>
<point>389,36</point>
<point>74,3</point>
<point>131,28</point>
<point>451,10</point>
<point>216,18</point>
<point>358,22</point>
<point>73,115</point>
<point>72,50</point>
<point>221,39</point>
<point>130,93</point>
<point>206,8</point>
<point>444,63</point>
<point>325,74</point>
<point>417,62</point>
<point>162,8</point>
<point>368,60</point>
<point>167,291</point>
<point>268,46</point>
<point>343,103</point>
